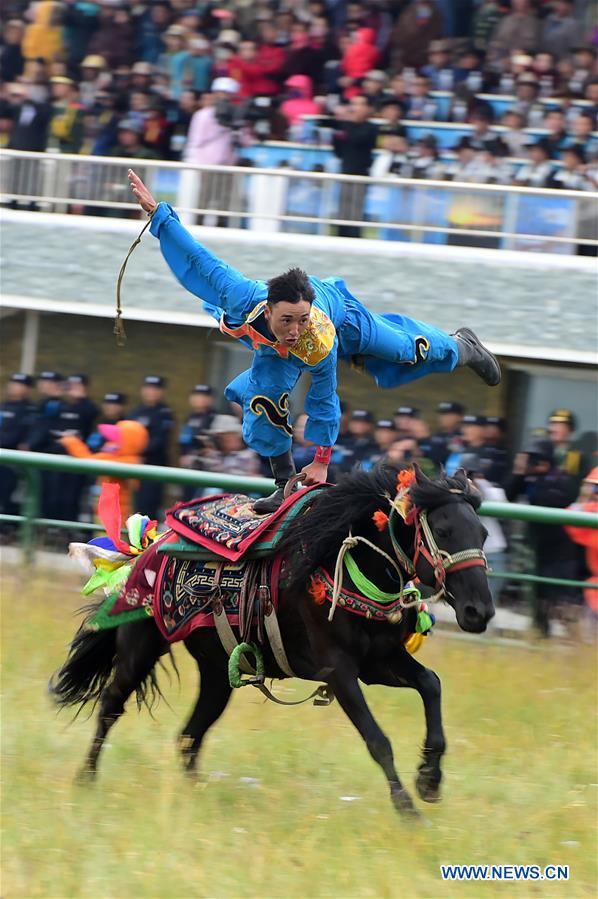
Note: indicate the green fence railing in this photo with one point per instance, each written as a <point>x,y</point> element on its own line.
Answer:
<point>32,463</point>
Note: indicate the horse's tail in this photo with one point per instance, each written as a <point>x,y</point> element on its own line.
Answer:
<point>89,665</point>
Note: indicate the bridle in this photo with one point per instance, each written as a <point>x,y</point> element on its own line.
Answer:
<point>425,547</point>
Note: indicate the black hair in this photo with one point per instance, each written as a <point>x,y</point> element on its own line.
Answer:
<point>290,287</point>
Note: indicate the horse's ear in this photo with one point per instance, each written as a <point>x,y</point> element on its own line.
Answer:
<point>461,476</point>
<point>420,477</point>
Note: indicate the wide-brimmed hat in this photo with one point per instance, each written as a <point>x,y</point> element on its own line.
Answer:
<point>95,61</point>
<point>226,424</point>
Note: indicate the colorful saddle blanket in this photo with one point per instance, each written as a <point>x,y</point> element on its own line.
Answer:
<point>225,526</point>
<point>186,588</point>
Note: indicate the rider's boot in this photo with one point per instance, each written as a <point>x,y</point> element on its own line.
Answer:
<point>474,355</point>
<point>283,468</point>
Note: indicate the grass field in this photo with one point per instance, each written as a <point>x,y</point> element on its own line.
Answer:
<point>292,805</point>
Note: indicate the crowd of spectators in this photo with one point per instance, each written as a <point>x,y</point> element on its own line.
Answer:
<point>555,469</point>
<point>170,79</point>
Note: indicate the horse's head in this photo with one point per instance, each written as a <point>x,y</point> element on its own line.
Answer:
<point>449,541</point>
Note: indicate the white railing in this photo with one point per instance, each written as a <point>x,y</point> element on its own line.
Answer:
<point>283,199</point>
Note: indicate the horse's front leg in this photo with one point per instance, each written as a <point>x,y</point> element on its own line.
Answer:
<point>352,701</point>
<point>402,670</point>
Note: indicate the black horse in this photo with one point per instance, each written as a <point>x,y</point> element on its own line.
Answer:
<point>108,666</point>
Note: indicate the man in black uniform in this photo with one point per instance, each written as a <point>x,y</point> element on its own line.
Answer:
<point>45,429</point>
<point>448,438</point>
<point>15,421</point>
<point>156,416</point>
<point>76,417</point>
<point>113,408</point>
<point>194,432</point>
<point>360,446</point>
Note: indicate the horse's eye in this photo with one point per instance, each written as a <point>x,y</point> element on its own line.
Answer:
<point>442,532</point>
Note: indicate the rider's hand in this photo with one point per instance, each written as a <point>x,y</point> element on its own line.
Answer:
<point>315,473</point>
<point>144,197</point>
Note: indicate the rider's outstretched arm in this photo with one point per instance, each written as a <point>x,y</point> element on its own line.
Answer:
<point>200,271</point>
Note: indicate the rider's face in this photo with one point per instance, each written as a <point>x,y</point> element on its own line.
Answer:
<point>288,321</point>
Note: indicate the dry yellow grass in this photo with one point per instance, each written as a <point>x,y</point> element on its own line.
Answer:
<point>270,821</point>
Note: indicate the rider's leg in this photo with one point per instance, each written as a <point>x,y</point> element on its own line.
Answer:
<point>263,393</point>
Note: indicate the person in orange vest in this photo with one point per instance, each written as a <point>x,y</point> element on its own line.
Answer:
<point>588,537</point>
<point>125,441</point>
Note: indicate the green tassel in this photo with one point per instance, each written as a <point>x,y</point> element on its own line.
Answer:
<point>234,670</point>
<point>423,623</point>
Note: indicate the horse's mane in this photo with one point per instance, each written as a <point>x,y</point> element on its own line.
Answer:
<point>319,532</point>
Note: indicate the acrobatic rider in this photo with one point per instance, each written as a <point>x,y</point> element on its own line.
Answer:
<point>296,323</point>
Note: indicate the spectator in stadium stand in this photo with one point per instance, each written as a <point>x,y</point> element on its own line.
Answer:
<point>519,30</point>
<point>66,124</point>
<point>31,119</point>
<point>359,58</point>
<point>421,105</point>
<point>12,61</point>
<point>6,123</point>
<point>79,20</point>
<point>484,22</point>
<point>151,23</point>
<point>527,92</point>
<point>450,415</point>
<point>482,134</point>
<point>582,129</point>
<point>464,167</point>
<point>571,176</point>
<point>373,87</point>
<point>129,141</point>
<point>300,101</point>
<point>156,416</point>
<point>94,78</point>
<point>197,64</point>
<point>491,167</point>
<point>561,31</point>
<point>16,413</point>
<point>355,138</point>
<point>211,139</point>
<point>538,171</point>
<point>418,24</point>
<point>194,433</point>
<point>43,38</point>
<point>391,113</point>
<point>172,61</point>
<point>426,162</point>
<point>305,56</point>
<point>397,92</point>
<point>536,477</point>
<point>557,137</point>
<point>438,69</point>
<point>393,159</point>
<point>515,138</point>
<point>257,68</point>
<point>114,39</point>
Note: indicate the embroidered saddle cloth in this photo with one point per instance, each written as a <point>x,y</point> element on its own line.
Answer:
<point>188,590</point>
<point>226,527</point>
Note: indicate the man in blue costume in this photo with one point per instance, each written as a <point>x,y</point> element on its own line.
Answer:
<point>297,324</point>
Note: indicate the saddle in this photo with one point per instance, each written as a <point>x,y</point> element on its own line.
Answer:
<point>225,526</point>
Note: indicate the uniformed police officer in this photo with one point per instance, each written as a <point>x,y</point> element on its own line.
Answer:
<point>16,414</point>
<point>157,417</point>
<point>113,408</point>
<point>76,418</point>
<point>194,432</point>
<point>43,437</point>
<point>448,438</point>
<point>359,446</point>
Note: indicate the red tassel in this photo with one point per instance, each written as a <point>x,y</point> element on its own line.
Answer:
<point>317,591</point>
<point>380,519</point>
<point>405,478</point>
<point>109,515</point>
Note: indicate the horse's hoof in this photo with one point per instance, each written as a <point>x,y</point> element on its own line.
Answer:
<point>85,776</point>
<point>427,789</point>
<point>404,804</point>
